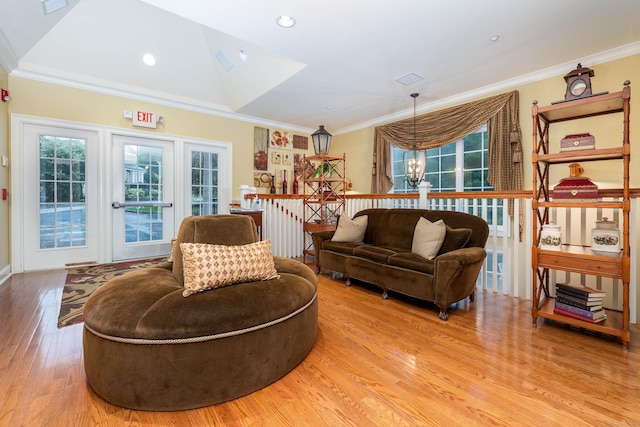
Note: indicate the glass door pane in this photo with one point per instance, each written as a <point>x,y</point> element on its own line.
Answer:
<point>143,183</point>
<point>62,192</point>
<point>204,183</point>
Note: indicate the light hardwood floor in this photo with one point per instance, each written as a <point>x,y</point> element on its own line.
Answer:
<point>375,362</point>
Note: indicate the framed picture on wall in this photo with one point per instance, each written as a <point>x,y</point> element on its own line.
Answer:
<point>276,157</point>
<point>300,142</point>
<point>261,179</point>
<point>260,147</point>
<point>281,139</point>
<point>287,158</point>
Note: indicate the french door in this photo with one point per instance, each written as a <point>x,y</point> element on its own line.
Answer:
<point>143,205</point>
<point>204,168</point>
<point>59,171</point>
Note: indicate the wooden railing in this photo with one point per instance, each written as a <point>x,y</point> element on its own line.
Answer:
<point>507,268</point>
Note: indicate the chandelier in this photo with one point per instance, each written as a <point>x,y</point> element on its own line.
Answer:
<point>414,162</point>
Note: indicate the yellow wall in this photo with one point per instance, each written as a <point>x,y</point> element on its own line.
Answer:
<point>4,174</point>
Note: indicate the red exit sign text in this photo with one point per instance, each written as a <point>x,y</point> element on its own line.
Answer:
<point>144,119</point>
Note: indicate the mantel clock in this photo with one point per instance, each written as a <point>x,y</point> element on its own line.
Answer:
<point>578,83</point>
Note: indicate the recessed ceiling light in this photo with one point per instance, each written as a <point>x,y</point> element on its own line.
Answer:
<point>494,38</point>
<point>50,6</point>
<point>286,21</point>
<point>243,55</point>
<point>149,59</point>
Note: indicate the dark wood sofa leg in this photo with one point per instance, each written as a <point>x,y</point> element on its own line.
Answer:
<point>443,312</point>
<point>472,297</point>
<point>347,282</point>
<point>385,294</point>
<point>317,269</point>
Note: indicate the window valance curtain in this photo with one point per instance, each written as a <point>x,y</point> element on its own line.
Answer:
<point>500,112</point>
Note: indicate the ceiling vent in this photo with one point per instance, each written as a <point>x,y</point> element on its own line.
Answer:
<point>409,79</point>
<point>224,60</point>
<point>50,6</point>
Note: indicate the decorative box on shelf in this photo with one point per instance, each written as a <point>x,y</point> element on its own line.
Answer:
<point>575,188</point>
<point>577,141</point>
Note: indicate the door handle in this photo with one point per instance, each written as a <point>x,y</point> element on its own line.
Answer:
<point>118,205</point>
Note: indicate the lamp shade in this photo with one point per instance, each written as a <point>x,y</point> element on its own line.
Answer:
<point>321,140</point>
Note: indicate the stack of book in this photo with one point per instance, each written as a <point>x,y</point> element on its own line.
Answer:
<point>579,302</point>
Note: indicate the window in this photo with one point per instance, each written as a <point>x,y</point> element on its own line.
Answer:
<point>459,166</point>
<point>204,183</point>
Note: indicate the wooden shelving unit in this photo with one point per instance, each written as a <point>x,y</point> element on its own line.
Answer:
<point>323,197</point>
<point>575,258</point>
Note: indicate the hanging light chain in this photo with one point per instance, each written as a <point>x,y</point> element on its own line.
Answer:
<point>413,167</point>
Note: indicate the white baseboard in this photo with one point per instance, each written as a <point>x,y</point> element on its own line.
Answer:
<point>5,273</point>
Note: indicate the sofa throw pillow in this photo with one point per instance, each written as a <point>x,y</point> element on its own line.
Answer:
<point>428,237</point>
<point>455,238</point>
<point>213,266</point>
<point>350,230</point>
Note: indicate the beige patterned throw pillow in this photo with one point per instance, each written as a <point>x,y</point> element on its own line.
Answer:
<point>213,266</point>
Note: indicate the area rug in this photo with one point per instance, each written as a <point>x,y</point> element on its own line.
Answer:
<point>82,281</point>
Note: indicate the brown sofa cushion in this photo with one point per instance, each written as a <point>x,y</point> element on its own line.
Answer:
<point>456,238</point>
<point>375,222</point>
<point>340,247</point>
<point>374,253</point>
<point>397,227</point>
<point>412,262</point>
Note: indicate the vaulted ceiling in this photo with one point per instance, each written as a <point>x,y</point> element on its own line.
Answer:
<point>338,65</point>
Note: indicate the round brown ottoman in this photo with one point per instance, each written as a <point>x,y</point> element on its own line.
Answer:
<point>147,347</point>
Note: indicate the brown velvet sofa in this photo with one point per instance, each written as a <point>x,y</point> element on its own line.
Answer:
<point>148,347</point>
<point>384,258</point>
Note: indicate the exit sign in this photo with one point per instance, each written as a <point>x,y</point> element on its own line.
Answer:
<point>144,119</point>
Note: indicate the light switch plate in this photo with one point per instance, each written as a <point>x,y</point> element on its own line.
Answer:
<point>4,161</point>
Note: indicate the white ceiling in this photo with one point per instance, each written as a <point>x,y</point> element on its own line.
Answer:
<point>336,67</point>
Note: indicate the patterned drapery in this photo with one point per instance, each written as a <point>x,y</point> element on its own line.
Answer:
<point>438,128</point>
